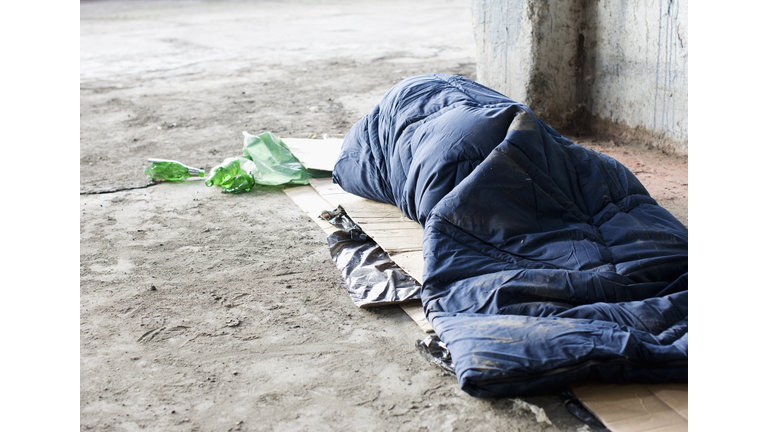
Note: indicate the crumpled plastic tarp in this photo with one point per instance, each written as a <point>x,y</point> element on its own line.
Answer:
<point>545,262</point>
<point>370,276</point>
<point>436,352</point>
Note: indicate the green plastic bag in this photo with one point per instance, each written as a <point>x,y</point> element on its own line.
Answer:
<point>276,164</point>
<point>266,160</point>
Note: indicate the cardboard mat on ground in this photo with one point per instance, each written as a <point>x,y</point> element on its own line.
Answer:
<point>622,408</point>
<point>398,236</point>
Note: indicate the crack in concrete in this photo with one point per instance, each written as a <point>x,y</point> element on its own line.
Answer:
<point>118,189</point>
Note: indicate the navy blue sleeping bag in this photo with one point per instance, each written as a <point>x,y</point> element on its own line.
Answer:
<point>545,262</point>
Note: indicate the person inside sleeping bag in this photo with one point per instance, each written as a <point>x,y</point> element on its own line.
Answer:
<point>545,262</point>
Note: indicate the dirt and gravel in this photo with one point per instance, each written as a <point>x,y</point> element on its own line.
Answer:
<point>201,311</point>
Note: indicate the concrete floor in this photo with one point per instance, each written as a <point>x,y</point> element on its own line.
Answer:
<point>165,270</point>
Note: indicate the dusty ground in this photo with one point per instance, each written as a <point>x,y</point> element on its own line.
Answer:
<point>203,311</point>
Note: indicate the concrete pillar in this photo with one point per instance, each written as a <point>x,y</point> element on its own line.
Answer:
<point>600,64</point>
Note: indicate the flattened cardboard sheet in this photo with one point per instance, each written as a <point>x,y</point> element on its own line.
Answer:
<point>385,223</point>
<point>637,407</point>
<point>311,202</point>
<point>319,154</point>
<point>411,262</point>
<point>335,195</point>
<point>415,310</point>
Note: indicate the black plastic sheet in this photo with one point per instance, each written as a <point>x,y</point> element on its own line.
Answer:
<point>370,276</point>
<point>436,352</point>
<point>575,407</point>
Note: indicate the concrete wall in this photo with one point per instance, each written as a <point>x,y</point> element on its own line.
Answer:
<point>596,63</point>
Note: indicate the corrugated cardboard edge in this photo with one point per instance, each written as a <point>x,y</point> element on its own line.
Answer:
<point>399,236</point>
<point>313,203</point>
<point>637,407</point>
<point>319,154</point>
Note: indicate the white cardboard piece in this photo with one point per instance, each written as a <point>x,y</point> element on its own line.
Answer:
<point>637,407</point>
<point>319,154</point>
